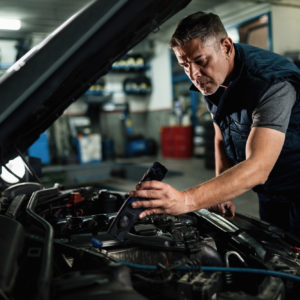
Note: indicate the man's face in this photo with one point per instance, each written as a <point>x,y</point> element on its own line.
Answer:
<point>206,64</point>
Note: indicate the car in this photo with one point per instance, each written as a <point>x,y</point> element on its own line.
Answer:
<point>57,243</point>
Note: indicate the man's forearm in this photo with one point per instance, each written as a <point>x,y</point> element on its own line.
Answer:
<point>230,184</point>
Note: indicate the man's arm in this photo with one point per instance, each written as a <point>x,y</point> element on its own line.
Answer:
<point>262,150</point>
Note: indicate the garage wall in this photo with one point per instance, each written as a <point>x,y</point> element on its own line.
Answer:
<point>161,97</point>
<point>150,113</point>
<point>160,102</point>
<point>8,52</point>
<point>286,29</point>
<point>240,11</point>
<point>285,21</point>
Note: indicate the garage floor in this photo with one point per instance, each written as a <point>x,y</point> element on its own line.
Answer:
<point>184,173</point>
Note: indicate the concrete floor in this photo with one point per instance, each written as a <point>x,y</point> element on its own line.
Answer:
<point>191,172</point>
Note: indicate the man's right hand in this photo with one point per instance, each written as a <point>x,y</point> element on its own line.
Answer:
<point>162,199</point>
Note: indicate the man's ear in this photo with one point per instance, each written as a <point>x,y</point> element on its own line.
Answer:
<point>227,46</point>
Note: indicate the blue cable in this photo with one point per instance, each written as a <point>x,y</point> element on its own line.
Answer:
<point>216,269</point>
<point>98,244</point>
<point>137,266</point>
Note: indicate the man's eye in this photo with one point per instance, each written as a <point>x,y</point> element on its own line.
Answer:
<point>201,62</point>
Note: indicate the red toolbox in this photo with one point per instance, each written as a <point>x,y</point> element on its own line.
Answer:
<point>177,141</point>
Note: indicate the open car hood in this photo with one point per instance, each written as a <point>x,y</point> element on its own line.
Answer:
<point>36,90</point>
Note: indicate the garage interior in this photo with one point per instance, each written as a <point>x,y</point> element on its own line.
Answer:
<point>142,110</point>
<point>91,104</point>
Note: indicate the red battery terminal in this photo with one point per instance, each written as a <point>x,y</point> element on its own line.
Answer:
<point>74,199</point>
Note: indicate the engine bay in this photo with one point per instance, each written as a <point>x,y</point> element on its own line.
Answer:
<point>60,249</point>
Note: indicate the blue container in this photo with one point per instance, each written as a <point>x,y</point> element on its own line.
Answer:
<point>40,149</point>
<point>136,147</point>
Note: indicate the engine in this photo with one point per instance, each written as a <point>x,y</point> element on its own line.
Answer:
<point>61,250</point>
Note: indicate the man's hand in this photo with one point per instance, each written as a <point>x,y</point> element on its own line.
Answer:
<point>226,208</point>
<point>163,199</point>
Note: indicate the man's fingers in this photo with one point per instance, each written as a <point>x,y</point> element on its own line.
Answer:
<point>222,208</point>
<point>147,203</point>
<point>230,209</point>
<point>149,194</point>
<point>149,212</point>
<point>149,185</point>
<point>225,208</point>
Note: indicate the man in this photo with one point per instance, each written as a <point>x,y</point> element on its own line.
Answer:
<point>253,97</point>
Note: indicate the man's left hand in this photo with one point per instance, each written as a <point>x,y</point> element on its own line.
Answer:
<point>226,208</point>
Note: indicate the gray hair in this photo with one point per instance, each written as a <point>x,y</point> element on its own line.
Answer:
<point>198,25</point>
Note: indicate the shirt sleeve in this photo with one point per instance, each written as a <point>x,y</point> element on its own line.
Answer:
<point>275,106</point>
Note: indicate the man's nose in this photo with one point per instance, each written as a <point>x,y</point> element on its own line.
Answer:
<point>194,72</point>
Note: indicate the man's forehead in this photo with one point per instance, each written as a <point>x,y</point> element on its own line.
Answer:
<point>194,49</point>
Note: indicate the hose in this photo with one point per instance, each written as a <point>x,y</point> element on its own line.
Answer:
<point>216,269</point>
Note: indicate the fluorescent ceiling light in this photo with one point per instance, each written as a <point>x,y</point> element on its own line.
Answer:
<point>10,24</point>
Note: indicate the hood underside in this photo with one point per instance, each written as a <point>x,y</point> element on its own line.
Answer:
<point>36,90</point>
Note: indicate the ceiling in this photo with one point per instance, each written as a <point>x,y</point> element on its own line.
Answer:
<point>38,16</point>
<point>43,16</point>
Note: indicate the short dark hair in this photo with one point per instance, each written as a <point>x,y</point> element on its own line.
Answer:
<point>198,25</point>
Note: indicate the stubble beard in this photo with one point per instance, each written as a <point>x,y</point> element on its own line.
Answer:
<point>207,86</point>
